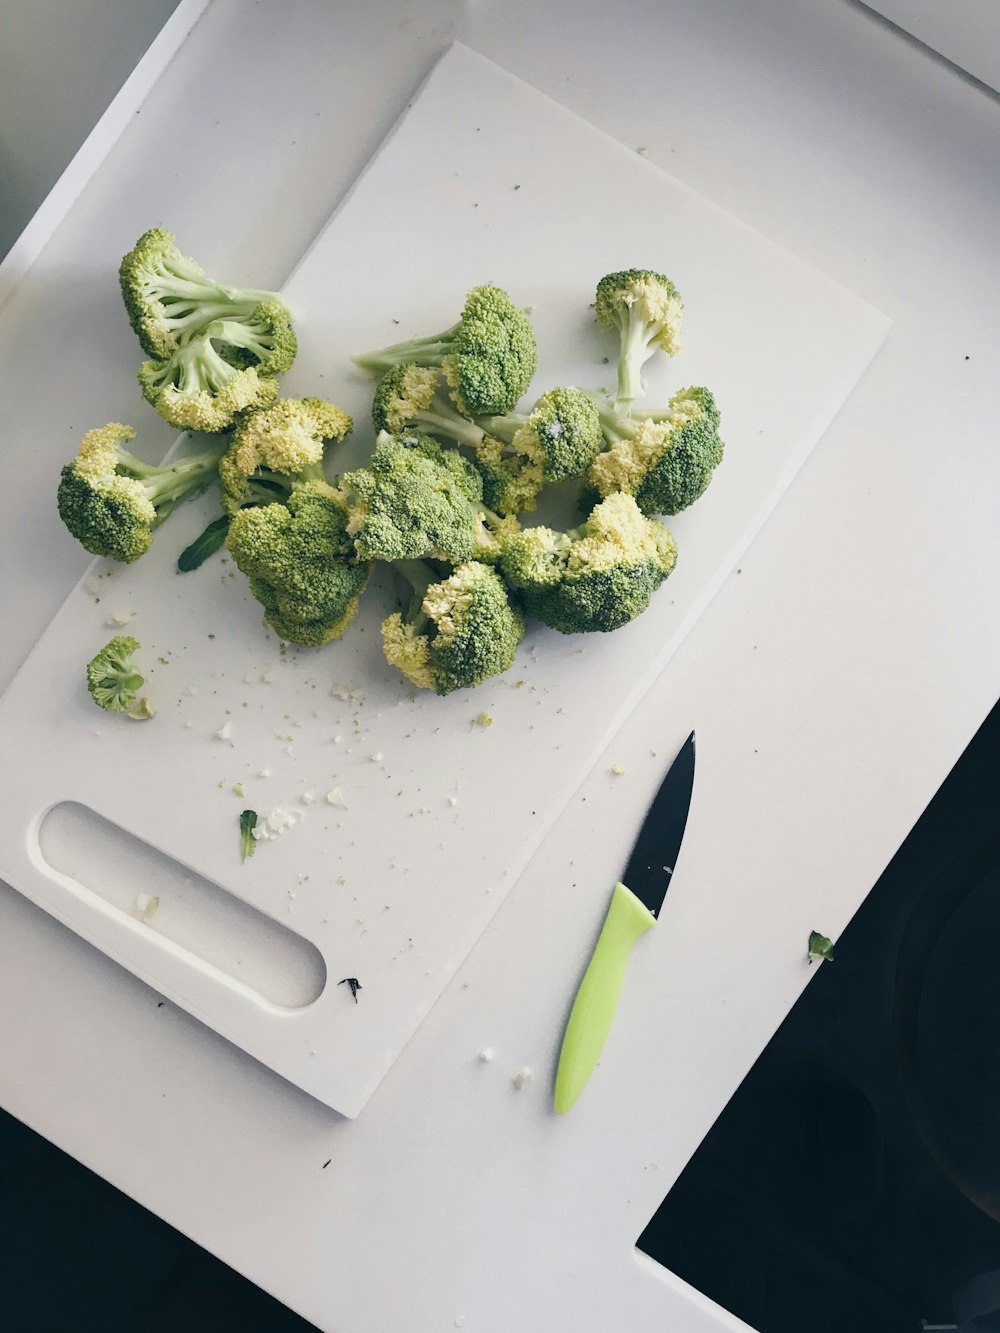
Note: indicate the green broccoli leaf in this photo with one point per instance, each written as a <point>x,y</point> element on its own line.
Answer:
<point>248,843</point>
<point>210,541</point>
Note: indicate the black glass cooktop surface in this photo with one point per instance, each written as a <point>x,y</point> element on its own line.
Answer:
<point>852,1184</point>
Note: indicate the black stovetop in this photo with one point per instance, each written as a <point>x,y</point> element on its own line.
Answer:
<point>830,1197</point>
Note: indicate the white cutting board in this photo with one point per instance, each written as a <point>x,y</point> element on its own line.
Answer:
<point>484,179</point>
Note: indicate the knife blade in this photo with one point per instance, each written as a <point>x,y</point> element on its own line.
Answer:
<point>635,902</point>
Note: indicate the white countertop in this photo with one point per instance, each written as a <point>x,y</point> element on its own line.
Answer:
<point>833,682</point>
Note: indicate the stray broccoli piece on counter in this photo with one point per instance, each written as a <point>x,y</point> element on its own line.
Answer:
<point>457,631</point>
<point>820,948</point>
<point>170,299</point>
<point>111,501</point>
<point>595,578</point>
<point>301,562</point>
<point>248,843</point>
<point>417,499</point>
<point>646,309</point>
<point>487,358</point>
<point>665,459</point>
<point>114,682</point>
<point>274,447</point>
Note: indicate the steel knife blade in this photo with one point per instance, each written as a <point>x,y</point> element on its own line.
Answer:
<point>635,902</point>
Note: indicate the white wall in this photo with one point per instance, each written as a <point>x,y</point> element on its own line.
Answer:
<point>61,63</point>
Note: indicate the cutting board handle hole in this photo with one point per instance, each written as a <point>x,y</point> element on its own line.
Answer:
<point>197,921</point>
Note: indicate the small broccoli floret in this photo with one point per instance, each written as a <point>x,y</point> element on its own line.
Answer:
<point>417,499</point>
<point>409,397</point>
<point>519,455</point>
<point>112,678</point>
<point>665,460</point>
<point>271,447</point>
<point>170,299</point>
<point>646,310</point>
<point>300,562</point>
<point>595,578</point>
<point>111,501</point>
<point>457,632</point>
<point>488,357</point>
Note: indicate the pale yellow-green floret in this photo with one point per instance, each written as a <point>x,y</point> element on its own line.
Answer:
<point>624,467</point>
<point>289,436</point>
<point>408,651</point>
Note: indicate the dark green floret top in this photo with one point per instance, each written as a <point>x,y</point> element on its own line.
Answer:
<point>418,499</point>
<point>301,563</point>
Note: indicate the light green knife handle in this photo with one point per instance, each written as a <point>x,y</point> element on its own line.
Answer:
<point>597,999</point>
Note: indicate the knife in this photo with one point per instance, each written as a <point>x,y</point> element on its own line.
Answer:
<point>632,912</point>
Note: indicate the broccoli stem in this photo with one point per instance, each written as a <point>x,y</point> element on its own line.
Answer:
<point>255,338</point>
<point>636,335</point>
<point>440,418</point>
<point>504,428</point>
<point>166,486</point>
<point>419,575</point>
<point>429,351</point>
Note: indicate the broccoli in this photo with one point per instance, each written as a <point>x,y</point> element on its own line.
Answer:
<point>417,499</point>
<point>516,454</point>
<point>114,682</point>
<point>170,300</point>
<point>300,562</point>
<point>595,578</point>
<point>645,308</point>
<point>457,631</point>
<point>819,948</point>
<point>228,368</point>
<point>111,501</point>
<point>520,454</point>
<point>409,397</point>
<point>271,447</point>
<point>665,460</point>
<point>487,358</point>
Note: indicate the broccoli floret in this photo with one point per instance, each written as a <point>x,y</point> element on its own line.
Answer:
<point>199,389</point>
<point>112,679</point>
<point>597,577</point>
<point>488,357</point>
<point>409,397</point>
<point>519,455</point>
<point>300,562</point>
<point>111,501</point>
<point>665,460</point>
<point>457,631</point>
<point>417,499</point>
<point>271,447</point>
<point>646,309</point>
<point>170,299</point>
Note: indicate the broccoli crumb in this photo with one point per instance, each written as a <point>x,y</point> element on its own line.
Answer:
<point>820,947</point>
<point>618,769</point>
<point>483,720</point>
<point>238,789</point>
